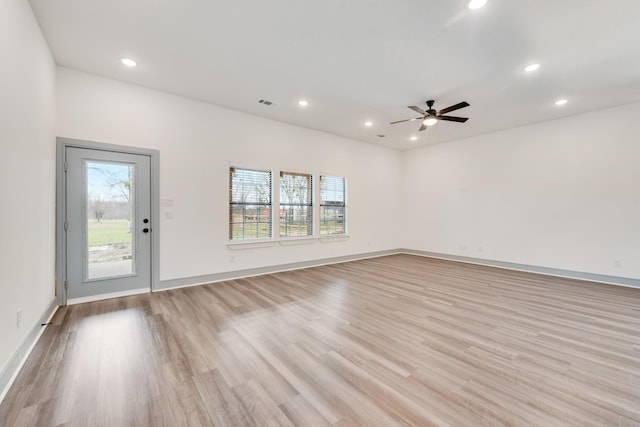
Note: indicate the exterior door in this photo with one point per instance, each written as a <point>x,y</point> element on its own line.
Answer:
<point>108,223</point>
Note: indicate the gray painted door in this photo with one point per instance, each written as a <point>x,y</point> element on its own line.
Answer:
<point>108,208</point>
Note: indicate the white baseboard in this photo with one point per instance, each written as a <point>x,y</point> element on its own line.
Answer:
<point>10,372</point>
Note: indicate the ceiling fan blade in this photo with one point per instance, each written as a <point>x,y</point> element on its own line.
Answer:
<point>453,119</point>
<point>454,107</point>
<point>407,120</point>
<point>423,127</point>
<point>417,110</point>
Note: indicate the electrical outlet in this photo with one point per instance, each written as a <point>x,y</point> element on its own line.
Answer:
<point>463,247</point>
<point>617,263</point>
<point>18,317</point>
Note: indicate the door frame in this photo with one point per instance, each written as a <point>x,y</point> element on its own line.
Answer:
<point>61,214</point>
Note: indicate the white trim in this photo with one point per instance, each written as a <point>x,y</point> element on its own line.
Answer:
<point>288,241</point>
<point>262,240</point>
<point>81,300</point>
<point>277,218</point>
<point>62,143</point>
<point>251,244</point>
<point>34,337</point>
<point>325,238</point>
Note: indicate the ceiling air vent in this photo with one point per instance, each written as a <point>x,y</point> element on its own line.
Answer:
<point>265,102</point>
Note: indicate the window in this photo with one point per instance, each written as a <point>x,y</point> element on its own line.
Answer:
<point>249,204</point>
<point>296,204</point>
<point>332,205</point>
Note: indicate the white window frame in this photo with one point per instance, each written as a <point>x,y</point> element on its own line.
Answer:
<point>309,205</point>
<point>240,241</point>
<point>344,206</point>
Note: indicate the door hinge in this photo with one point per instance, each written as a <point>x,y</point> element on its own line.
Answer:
<point>66,226</point>
<point>66,166</point>
<point>66,285</point>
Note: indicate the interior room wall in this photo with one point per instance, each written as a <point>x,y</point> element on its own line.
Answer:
<point>563,194</point>
<point>198,142</point>
<point>27,176</point>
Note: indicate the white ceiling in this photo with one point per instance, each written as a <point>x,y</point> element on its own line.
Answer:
<point>358,60</point>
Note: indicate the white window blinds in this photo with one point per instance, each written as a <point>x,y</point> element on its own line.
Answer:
<point>249,204</point>
<point>296,204</point>
<point>333,207</point>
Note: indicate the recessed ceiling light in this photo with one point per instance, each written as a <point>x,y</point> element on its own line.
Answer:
<point>476,4</point>
<point>531,67</point>
<point>414,138</point>
<point>303,103</point>
<point>129,62</point>
<point>561,102</point>
<point>368,124</point>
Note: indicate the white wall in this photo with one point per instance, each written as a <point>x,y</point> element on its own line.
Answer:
<point>27,175</point>
<point>561,194</point>
<point>197,142</point>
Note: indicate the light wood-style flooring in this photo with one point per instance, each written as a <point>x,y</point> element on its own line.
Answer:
<point>391,341</point>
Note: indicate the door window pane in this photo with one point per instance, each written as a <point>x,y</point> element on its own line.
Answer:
<point>110,219</point>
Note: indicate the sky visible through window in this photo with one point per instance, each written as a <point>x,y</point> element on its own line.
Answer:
<point>109,181</point>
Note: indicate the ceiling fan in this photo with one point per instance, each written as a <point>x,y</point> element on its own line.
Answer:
<point>431,116</point>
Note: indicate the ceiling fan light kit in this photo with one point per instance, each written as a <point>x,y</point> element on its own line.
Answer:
<point>476,4</point>
<point>431,116</point>
<point>430,121</point>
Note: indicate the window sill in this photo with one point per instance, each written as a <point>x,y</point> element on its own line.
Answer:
<point>286,241</point>
<point>289,241</point>
<point>251,244</point>
<point>335,238</point>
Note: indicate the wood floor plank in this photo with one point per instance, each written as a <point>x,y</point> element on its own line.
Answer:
<point>302,414</point>
<point>391,341</point>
